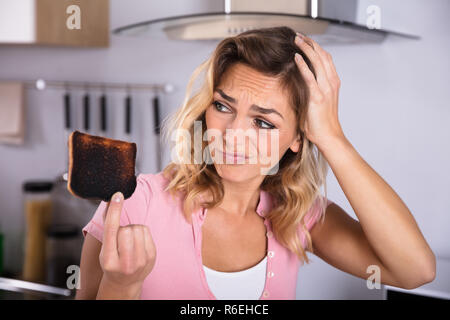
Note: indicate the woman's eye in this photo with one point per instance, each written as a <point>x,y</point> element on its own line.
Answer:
<point>218,106</point>
<point>260,123</point>
<point>264,125</point>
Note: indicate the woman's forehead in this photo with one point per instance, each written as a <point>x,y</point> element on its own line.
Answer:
<point>249,86</point>
<point>242,75</point>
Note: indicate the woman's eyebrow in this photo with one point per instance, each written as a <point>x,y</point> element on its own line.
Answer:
<point>253,106</point>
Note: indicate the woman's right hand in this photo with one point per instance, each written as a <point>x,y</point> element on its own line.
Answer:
<point>127,255</point>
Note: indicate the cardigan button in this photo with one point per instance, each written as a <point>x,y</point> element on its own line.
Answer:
<point>270,274</point>
<point>269,234</point>
<point>270,254</point>
<point>265,294</point>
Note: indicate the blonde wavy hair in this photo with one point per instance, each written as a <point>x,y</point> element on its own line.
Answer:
<point>296,186</point>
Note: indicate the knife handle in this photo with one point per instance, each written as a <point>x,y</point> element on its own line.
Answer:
<point>128,114</point>
<point>67,111</point>
<point>86,106</point>
<point>103,124</point>
<point>156,115</point>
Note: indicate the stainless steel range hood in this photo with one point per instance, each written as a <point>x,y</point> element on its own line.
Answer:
<point>326,21</point>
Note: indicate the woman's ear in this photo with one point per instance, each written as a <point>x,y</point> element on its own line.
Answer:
<point>296,145</point>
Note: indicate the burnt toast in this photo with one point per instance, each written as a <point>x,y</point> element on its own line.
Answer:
<point>99,167</point>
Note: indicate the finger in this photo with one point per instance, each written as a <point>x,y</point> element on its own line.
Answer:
<point>149,245</point>
<point>334,74</point>
<point>112,223</point>
<point>140,255</point>
<point>125,239</point>
<point>146,240</point>
<point>324,56</point>
<point>316,61</point>
<point>307,74</point>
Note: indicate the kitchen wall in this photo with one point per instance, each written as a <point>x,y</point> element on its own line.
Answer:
<point>393,108</point>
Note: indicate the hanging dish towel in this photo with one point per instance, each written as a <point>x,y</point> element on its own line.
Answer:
<point>12,113</point>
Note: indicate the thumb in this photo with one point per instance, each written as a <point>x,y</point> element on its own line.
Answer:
<point>112,219</point>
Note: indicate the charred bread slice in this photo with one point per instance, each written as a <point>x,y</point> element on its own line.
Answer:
<point>99,167</point>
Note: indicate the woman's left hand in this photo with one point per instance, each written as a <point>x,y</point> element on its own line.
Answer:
<point>322,123</point>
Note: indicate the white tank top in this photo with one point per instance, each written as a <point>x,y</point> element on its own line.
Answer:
<point>247,284</point>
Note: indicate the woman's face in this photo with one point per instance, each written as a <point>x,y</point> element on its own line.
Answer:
<point>251,117</point>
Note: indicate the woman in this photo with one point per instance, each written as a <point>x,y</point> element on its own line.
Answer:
<point>240,230</point>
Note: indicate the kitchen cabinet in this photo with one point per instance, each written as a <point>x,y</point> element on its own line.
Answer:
<point>80,23</point>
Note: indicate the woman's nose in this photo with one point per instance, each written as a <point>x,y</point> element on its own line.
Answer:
<point>237,134</point>
<point>238,123</point>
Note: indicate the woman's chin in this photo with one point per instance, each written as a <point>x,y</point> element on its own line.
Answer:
<point>236,172</point>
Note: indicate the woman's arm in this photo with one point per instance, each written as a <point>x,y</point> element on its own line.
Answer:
<point>93,284</point>
<point>116,267</point>
<point>91,272</point>
<point>386,234</point>
<point>340,241</point>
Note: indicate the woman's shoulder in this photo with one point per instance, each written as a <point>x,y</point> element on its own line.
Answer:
<point>154,188</point>
<point>155,182</point>
<point>316,211</point>
<point>314,214</point>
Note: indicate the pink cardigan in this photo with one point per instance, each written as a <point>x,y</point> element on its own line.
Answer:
<point>178,272</point>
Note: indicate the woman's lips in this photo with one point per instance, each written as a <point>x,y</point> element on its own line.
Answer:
<point>233,156</point>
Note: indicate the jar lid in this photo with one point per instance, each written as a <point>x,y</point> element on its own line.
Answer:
<point>37,186</point>
<point>63,231</point>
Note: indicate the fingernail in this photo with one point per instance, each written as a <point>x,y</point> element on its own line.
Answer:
<point>300,34</point>
<point>117,197</point>
<point>298,39</point>
<point>297,56</point>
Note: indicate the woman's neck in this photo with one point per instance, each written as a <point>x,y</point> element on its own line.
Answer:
<point>240,198</point>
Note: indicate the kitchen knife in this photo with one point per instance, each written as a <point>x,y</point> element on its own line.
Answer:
<point>157,130</point>
<point>86,107</point>
<point>103,114</point>
<point>128,114</point>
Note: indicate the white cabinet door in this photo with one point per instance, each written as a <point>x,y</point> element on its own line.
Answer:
<point>17,21</point>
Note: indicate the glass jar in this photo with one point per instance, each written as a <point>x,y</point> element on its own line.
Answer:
<point>63,250</point>
<point>38,210</point>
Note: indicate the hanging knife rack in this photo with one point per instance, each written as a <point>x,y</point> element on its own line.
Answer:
<point>42,84</point>
<point>87,86</point>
